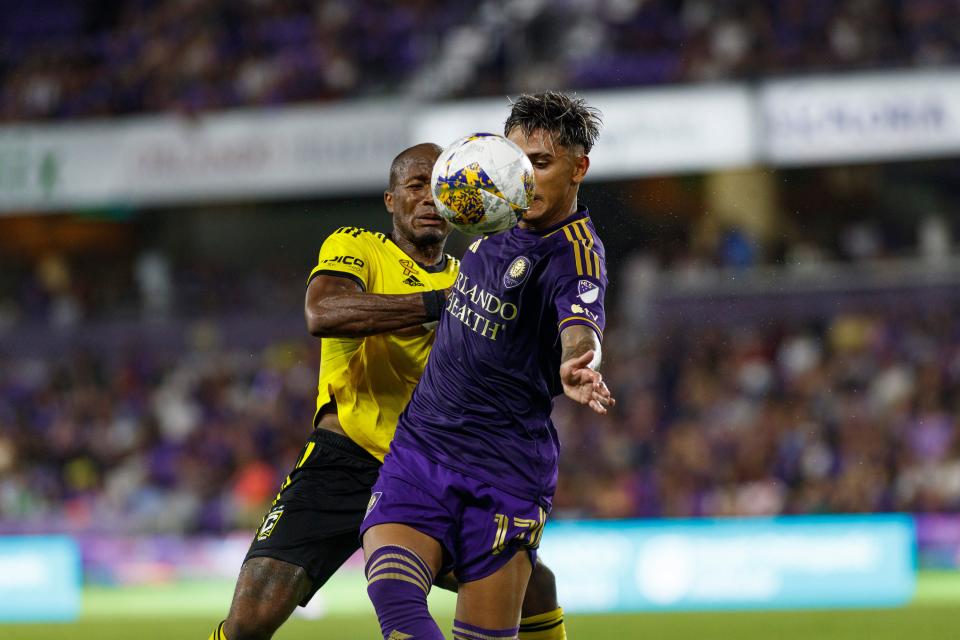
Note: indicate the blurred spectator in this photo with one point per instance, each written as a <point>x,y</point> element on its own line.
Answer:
<point>934,239</point>
<point>155,284</point>
<point>57,291</point>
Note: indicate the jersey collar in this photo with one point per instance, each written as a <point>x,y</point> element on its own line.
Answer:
<point>429,268</point>
<point>435,268</point>
<point>580,213</point>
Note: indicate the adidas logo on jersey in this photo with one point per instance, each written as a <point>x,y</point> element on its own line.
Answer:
<point>413,281</point>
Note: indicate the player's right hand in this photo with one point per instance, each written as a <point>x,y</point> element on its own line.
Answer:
<point>584,385</point>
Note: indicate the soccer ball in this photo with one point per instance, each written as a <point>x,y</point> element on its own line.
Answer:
<point>482,183</point>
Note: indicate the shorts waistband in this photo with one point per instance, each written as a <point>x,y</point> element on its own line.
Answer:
<point>342,443</point>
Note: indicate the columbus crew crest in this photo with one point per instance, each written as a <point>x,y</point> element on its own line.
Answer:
<point>269,523</point>
<point>517,273</point>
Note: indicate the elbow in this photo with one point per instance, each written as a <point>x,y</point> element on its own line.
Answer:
<point>329,325</point>
<point>317,324</point>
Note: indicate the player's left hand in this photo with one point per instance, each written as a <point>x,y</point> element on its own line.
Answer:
<point>584,385</point>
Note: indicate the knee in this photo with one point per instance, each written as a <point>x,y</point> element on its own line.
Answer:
<point>267,592</point>
<point>398,581</point>
<point>541,595</point>
<point>397,575</point>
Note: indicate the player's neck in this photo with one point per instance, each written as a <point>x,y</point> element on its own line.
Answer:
<point>428,254</point>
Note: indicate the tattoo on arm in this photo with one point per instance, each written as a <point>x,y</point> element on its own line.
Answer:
<point>576,340</point>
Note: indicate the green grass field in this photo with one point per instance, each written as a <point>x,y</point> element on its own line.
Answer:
<point>191,612</point>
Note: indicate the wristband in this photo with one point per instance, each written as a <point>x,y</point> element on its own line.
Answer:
<point>433,304</point>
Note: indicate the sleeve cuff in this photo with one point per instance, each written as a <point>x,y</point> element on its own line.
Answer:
<point>581,320</point>
<point>337,274</point>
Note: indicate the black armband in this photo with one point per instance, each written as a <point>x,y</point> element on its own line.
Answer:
<point>433,304</point>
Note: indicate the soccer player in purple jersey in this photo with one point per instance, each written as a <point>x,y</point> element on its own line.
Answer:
<point>470,476</point>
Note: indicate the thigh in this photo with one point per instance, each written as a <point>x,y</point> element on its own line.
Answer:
<point>499,537</point>
<point>403,513</point>
<point>494,602</point>
<point>314,523</point>
<point>494,527</point>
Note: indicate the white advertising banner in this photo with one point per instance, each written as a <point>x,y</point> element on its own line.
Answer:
<point>231,156</point>
<point>674,130</point>
<point>883,116</point>
<point>644,132</point>
<point>346,149</point>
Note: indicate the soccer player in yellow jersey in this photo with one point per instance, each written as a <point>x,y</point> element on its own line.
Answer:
<point>374,300</point>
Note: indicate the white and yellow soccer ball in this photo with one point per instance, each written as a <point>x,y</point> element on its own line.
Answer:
<point>482,183</point>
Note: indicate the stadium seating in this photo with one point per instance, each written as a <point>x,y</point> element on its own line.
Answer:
<point>853,413</point>
<point>68,60</point>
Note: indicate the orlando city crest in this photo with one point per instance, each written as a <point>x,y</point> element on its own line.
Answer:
<point>517,272</point>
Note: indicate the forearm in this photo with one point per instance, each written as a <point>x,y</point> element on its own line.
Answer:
<point>580,360</point>
<point>358,314</point>
<point>577,340</point>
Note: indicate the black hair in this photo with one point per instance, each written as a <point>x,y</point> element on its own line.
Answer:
<point>568,117</point>
<point>404,156</point>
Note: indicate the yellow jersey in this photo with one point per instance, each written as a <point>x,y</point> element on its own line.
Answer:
<point>371,379</point>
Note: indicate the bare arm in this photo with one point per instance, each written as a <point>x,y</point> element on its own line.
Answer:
<point>337,307</point>
<point>579,361</point>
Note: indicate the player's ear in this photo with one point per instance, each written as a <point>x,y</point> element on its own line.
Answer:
<point>581,164</point>
<point>388,201</point>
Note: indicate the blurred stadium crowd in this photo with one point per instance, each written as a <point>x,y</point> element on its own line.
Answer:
<point>65,59</point>
<point>846,413</point>
<point>852,414</point>
<point>849,414</point>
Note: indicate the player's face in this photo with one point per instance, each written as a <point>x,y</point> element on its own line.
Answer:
<point>411,203</point>
<point>558,170</point>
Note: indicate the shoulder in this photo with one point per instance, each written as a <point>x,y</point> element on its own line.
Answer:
<point>356,239</point>
<point>576,249</point>
<point>578,235</point>
<point>358,233</point>
<point>580,231</point>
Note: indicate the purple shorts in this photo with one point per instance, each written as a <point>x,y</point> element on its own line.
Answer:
<point>479,526</point>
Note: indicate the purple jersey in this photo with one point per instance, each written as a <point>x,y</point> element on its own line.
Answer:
<point>483,404</point>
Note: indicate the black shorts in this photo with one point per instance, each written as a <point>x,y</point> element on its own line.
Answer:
<point>315,521</point>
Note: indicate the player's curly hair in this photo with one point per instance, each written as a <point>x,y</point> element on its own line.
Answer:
<point>568,117</point>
